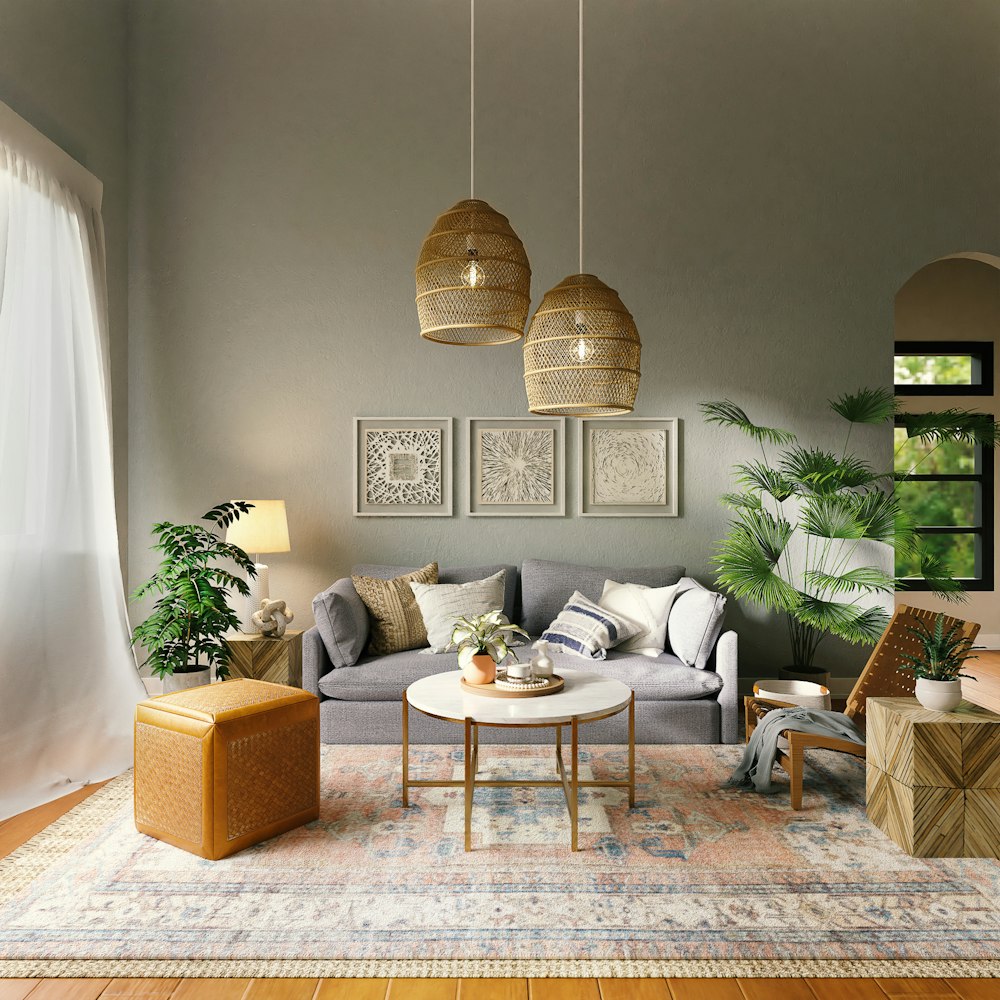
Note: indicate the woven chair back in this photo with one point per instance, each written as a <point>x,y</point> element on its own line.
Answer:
<point>882,676</point>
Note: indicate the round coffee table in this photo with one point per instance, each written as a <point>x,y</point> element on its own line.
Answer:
<point>587,697</point>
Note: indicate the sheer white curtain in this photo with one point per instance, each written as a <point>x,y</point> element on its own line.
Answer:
<point>68,683</point>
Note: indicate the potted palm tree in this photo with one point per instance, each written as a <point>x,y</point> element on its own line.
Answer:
<point>807,525</point>
<point>938,665</point>
<point>183,636</point>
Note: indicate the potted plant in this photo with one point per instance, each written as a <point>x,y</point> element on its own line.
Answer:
<point>938,665</point>
<point>807,525</point>
<point>183,634</point>
<point>483,641</point>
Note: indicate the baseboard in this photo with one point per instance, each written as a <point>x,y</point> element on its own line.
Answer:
<point>988,640</point>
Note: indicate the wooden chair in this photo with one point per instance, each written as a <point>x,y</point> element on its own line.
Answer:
<point>881,678</point>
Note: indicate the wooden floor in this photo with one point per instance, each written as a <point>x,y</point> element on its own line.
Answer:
<point>15,831</point>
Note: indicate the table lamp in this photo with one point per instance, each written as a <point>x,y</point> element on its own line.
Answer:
<point>263,529</point>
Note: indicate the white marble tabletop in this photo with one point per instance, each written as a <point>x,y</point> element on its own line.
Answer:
<point>586,696</point>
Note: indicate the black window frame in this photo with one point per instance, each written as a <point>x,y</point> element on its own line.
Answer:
<point>984,457</point>
<point>981,352</point>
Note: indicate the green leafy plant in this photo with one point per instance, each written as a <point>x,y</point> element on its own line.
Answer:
<point>829,505</point>
<point>942,653</point>
<point>185,629</point>
<point>490,634</point>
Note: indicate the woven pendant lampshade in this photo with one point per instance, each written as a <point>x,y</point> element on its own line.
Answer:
<point>473,278</point>
<point>581,354</point>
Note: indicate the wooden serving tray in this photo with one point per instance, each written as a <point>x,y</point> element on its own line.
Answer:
<point>492,691</point>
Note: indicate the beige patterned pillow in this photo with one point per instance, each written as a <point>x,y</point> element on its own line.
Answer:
<point>396,622</point>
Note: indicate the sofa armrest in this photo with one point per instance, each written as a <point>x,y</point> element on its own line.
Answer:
<point>315,662</point>
<point>724,661</point>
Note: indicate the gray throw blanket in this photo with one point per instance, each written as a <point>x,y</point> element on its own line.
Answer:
<point>760,752</point>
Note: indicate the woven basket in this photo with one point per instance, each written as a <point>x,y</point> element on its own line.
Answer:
<point>473,279</point>
<point>581,354</point>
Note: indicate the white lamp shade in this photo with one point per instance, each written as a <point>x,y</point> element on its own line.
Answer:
<point>263,529</point>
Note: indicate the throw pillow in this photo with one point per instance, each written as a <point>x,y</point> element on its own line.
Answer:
<point>587,629</point>
<point>342,622</point>
<point>649,606</point>
<point>395,620</point>
<point>441,603</point>
<point>695,622</point>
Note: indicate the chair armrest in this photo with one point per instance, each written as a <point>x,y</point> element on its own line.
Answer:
<point>724,661</point>
<point>315,662</point>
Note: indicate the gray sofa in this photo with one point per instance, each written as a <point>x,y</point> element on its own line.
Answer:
<point>361,696</point>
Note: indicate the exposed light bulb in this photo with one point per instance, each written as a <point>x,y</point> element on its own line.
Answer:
<point>582,347</point>
<point>472,273</point>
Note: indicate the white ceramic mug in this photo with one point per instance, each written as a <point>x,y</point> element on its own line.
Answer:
<point>519,671</point>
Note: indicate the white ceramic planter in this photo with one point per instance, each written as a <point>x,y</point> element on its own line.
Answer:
<point>939,696</point>
<point>181,682</point>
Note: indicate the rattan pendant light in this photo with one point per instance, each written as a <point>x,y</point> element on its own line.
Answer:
<point>581,354</point>
<point>473,278</point>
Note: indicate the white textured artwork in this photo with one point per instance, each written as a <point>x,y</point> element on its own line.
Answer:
<point>403,466</point>
<point>628,467</point>
<point>516,466</point>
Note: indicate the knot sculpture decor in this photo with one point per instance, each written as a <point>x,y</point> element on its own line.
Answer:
<point>272,619</point>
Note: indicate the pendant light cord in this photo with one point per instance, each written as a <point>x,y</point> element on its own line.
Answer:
<point>581,131</point>
<point>472,98</point>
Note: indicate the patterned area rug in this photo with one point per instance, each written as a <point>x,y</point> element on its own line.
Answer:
<point>697,879</point>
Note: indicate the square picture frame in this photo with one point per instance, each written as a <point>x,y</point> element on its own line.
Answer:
<point>517,466</point>
<point>628,467</point>
<point>403,467</point>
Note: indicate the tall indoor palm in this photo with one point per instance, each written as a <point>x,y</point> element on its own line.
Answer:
<point>804,522</point>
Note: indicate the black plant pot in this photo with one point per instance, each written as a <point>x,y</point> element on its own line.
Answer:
<point>815,674</point>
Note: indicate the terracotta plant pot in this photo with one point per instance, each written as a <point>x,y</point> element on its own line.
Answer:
<point>939,696</point>
<point>482,670</point>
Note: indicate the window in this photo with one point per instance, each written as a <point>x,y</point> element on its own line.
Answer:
<point>951,368</point>
<point>949,487</point>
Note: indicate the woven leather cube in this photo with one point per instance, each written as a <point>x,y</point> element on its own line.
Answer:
<point>224,766</point>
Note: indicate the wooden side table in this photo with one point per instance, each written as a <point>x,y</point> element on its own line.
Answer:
<point>933,778</point>
<point>258,658</point>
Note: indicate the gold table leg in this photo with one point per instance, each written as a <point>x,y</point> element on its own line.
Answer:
<point>631,752</point>
<point>469,787</point>
<point>558,746</point>
<point>406,752</point>
<point>574,784</point>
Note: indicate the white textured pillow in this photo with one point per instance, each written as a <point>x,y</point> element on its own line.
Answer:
<point>441,603</point>
<point>648,606</point>
<point>695,622</point>
<point>587,629</point>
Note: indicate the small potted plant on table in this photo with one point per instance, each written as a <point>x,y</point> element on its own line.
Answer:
<point>183,634</point>
<point>938,664</point>
<point>483,641</point>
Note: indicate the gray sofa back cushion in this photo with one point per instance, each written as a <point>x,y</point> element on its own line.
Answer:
<point>547,586</point>
<point>456,574</point>
<point>342,622</point>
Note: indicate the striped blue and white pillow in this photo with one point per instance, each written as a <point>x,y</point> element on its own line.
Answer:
<point>588,630</point>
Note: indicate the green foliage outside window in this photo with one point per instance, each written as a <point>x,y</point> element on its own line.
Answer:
<point>933,369</point>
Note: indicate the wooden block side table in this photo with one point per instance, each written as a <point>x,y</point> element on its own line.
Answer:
<point>933,778</point>
<point>278,661</point>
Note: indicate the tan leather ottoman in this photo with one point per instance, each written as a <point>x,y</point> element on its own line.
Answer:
<point>221,767</point>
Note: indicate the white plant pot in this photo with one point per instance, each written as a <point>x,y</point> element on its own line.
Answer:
<point>939,696</point>
<point>181,682</point>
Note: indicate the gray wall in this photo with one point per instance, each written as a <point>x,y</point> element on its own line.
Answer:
<point>761,179</point>
<point>63,68</point>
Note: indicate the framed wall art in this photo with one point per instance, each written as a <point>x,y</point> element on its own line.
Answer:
<point>402,467</point>
<point>517,466</point>
<point>628,467</point>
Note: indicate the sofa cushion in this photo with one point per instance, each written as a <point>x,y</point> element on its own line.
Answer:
<point>394,620</point>
<point>695,622</point>
<point>384,678</point>
<point>588,630</point>
<point>441,603</point>
<point>457,574</point>
<point>547,586</point>
<point>342,622</point>
<point>650,606</point>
